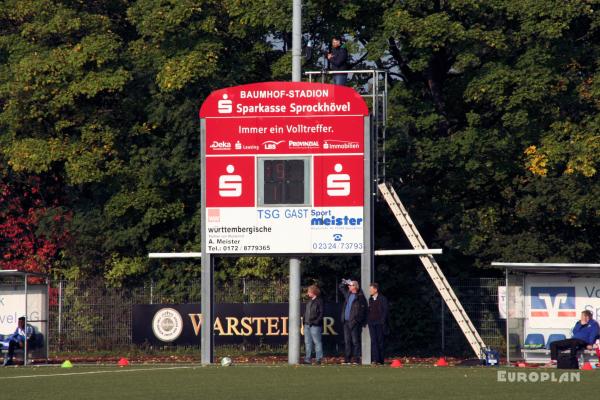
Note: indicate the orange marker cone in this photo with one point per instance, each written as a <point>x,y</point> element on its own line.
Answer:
<point>587,366</point>
<point>396,363</point>
<point>123,362</point>
<point>441,362</point>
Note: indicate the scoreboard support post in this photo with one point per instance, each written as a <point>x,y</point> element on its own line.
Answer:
<point>294,336</point>
<point>207,270</point>
<point>207,309</point>
<point>295,266</point>
<point>367,256</point>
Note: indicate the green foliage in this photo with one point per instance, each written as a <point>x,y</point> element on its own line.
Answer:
<point>493,123</point>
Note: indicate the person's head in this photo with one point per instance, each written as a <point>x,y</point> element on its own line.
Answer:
<point>353,286</point>
<point>374,288</point>
<point>21,322</point>
<point>586,315</point>
<point>313,291</point>
<point>336,41</point>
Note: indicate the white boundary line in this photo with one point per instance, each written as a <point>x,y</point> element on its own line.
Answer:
<point>95,372</point>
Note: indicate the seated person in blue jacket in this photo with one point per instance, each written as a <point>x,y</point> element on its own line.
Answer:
<point>16,340</point>
<point>585,333</point>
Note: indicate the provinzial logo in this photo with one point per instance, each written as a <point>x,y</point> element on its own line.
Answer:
<point>553,302</point>
<point>167,324</point>
<point>303,144</point>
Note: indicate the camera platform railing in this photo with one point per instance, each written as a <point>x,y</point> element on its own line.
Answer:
<point>371,84</point>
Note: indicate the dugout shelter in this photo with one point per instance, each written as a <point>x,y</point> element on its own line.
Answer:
<point>542,302</point>
<point>25,294</point>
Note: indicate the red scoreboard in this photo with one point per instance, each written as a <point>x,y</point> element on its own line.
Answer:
<point>283,169</point>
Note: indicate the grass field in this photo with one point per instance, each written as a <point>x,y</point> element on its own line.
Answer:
<point>180,382</point>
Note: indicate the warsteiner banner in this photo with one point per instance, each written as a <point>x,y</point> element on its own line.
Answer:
<point>236,323</point>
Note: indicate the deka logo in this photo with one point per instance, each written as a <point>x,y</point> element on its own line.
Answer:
<point>230,185</point>
<point>222,145</point>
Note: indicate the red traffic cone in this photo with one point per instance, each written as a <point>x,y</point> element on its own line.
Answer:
<point>587,366</point>
<point>123,362</point>
<point>441,362</point>
<point>396,363</point>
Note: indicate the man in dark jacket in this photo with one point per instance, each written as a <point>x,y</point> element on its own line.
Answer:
<point>378,315</point>
<point>338,58</point>
<point>354,316</point>
<point>313,325</point>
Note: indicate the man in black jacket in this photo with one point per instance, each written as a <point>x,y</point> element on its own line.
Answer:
<point>313,325</point>
<point>338,58</point>
<point>354,315</point>
<point>378,315</point>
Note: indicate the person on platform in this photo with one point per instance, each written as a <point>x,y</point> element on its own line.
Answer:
<point>377,320</point>
<point>313,325</point>
<point>585,333</point>
<point>354,317</point>
<point>16,340</point>
<point>338,58</point>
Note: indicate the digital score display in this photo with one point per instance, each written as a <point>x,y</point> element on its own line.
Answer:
<point>284,181</point>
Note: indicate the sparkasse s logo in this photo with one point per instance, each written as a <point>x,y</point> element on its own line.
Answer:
<point>553,302</point>
<point>225,105</point>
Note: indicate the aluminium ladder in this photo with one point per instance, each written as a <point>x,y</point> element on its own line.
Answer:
<point>434,270</point>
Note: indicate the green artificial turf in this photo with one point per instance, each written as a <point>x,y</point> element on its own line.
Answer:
<point>281,382</point>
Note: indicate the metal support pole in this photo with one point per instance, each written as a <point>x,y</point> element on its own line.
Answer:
<point>295,269</point>
<point>367,257</point>
<point>47,318</point>
<point>206,288</point>
<point>294,312</point>
<point>244,297</point>
<point>207,268</point>
<point>25,345</point>
<point>296,40</point>
<point>507,316</point>
<point>443,327</point>
<point>60,294</point>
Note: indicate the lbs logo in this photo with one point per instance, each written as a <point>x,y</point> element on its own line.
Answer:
<point>553,302</point>
<point>167,324</point>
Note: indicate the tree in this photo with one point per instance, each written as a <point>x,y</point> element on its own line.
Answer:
<point>33,226</point>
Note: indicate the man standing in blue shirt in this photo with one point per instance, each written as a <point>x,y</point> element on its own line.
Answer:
<point>354,316</point>
<point>585,333</point>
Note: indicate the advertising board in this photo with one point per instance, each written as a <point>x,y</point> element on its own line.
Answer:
<point>284,166</point>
